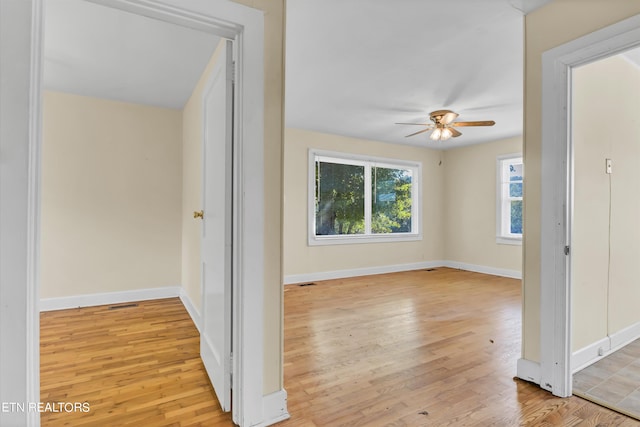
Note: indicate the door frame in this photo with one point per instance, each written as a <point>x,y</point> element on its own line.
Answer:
<point>245,26</point>
<point>557,193</point>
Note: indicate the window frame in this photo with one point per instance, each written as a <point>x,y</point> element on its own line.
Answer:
<point>368,162</point>
<point>503,200</point>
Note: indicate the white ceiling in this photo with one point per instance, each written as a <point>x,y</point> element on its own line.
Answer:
<point>353,67</point>
<point>98,51</point>
<point>356,67</point>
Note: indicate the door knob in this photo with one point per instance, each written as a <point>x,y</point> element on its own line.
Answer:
<point>198,214</point>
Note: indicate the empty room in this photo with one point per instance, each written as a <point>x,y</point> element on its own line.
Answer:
<point>356,213</point>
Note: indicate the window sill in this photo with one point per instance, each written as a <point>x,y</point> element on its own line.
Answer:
<point>502,240</point>
<point>342,240</point>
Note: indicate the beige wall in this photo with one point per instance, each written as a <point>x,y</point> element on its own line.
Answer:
<point>192,187</point>
<point>458,217</point>
<point>470,206</point>
<point>550,26</point>
<point>303,259</point>
<point>111,184</point>
<point>605,294</point>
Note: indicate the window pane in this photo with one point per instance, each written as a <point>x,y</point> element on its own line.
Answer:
<point>516,217</point>
<point>339,199</point>
<point>390,200</point>
<point>515,189</point>
<point>515,172</point>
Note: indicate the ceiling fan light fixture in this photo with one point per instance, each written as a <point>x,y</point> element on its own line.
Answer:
<point>448,117</point>
<point>444,127</point>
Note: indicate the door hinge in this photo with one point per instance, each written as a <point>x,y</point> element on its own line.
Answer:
<point>231,369</point>
<point>566,250</point>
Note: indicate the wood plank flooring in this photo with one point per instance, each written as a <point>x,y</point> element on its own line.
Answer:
<point>423,348</point>
<point>133,365</point>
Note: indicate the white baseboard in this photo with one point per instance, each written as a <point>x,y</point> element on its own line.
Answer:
<point>513,274</point>
<point>625,336</point>
<point>191,308</point>
<point>592,353</point>
<point>341,274</point>
<point>274,408</point>
<point>367,271</point>
<point>90,300</point>
<point>528,371</point>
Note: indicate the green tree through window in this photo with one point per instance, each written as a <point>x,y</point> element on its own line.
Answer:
<point>355,197</point>
<point>391,200</point>
<point>339,199</point>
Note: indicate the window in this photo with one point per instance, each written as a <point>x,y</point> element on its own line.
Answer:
<point>355,199</point>
<point>509,199</point>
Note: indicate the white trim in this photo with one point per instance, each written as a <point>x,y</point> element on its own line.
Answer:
<point>20,66</point>
<point>590,354</point>
<point>502,237</point>
<point>503,272</point>
<point>625,336</point>
<point>363,239</point>
<point>33,213</point>
<point>602,348</point>
<point>248,297</point>
<point>355,272</point>
<point>187,17</point>
<point>367,162</point>
<point>246,26</point>
<point>274,408</point>
<point>528,370</point>
<point>91,300</point>
<point>515,241</point>
<point>556,197</point>
<point>368,271</point>
<point>191,308</point>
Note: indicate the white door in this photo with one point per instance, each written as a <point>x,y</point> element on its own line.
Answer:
<point>217,226</point>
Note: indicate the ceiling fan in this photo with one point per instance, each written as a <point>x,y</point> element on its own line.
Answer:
<point>443,125</point>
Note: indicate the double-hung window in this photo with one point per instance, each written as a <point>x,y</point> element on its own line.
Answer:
<point>355,199</point>
<point>509,199</point>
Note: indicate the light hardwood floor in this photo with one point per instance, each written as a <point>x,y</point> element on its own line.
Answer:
<point>423,348</point>
<point>133,365</point>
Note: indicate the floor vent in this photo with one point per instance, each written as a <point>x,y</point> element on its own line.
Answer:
<point>307,284</point>
<point>116,307</point>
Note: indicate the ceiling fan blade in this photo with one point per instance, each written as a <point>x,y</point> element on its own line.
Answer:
<point>448,118</point>
<point>480,123</point>
<point>454,132</point>
<point>419,132</point>
<point>421,124</point>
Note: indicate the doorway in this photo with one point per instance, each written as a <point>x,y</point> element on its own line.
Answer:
<point>605,232</point>
<point>558,189</point>
<point>240,23</point>
<point>124,98</point>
